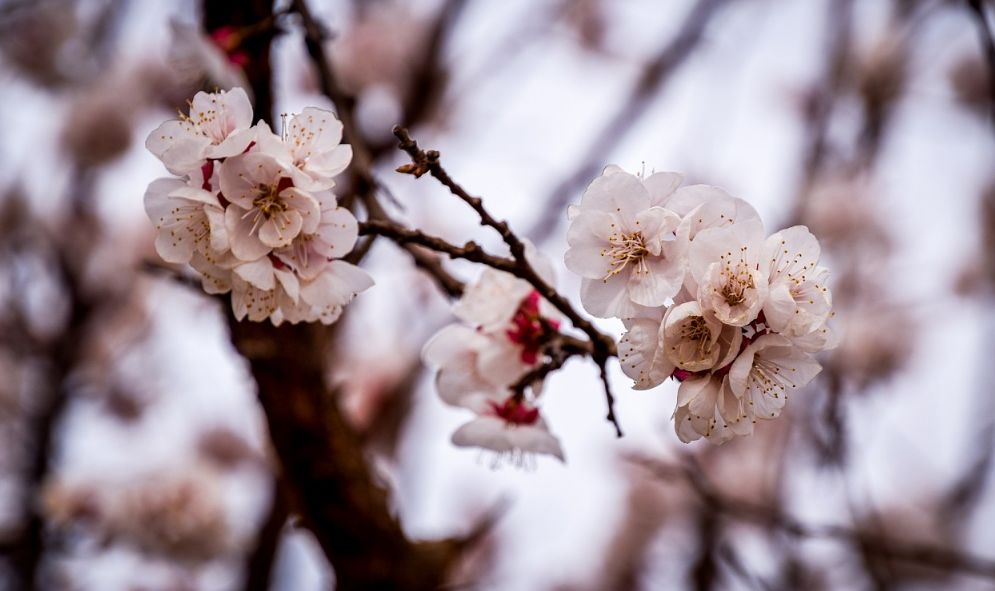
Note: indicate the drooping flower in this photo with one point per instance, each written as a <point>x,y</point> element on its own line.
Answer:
<point>707,407</point>
<point>219,125</point>
<point>624,246</point>
<point>511,427</point>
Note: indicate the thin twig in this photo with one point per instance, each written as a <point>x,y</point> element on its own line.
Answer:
<point>603,346</point>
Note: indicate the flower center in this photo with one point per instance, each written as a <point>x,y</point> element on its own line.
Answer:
<point>625,249</point>
<point>515,412</point>
<point>737,281</point>
<point>528,328</point>
<point>696,329</point>
<point>268,200</point>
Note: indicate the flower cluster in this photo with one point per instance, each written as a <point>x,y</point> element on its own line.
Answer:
<point>505,326</point>
<point>706,297</point>
<point>253,212</point>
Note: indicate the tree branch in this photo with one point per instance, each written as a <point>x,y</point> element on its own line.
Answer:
<point>603,346</point>
<point>929,555</point>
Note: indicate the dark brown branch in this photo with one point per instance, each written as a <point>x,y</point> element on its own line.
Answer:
<point>260,561</point>
<point>559,350</point>
<point>603,346</point>
<point>651,81</point>
<point>325,466</point>
<point>471,251</point>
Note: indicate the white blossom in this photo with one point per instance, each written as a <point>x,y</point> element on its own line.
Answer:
<point>798,301</point>
<point>335,236</point>
<point>253,213</point>
<point>186,219</point>
<point>728,265</point>
<point>767,370</point>
<point>513,428</point>
<point>310,143</point>
<point>219,125</point>
<point>623,246</point>
<point>267,210</point>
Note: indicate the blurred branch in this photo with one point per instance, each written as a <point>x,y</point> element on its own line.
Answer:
<point>324,464</point>
<point>602,345</point>
<point>651,82</point>
<point>260,562</point>
<point>937,557</point>
<point>988,46</point>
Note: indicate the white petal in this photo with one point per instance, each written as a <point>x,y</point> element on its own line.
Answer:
<point>258,273</point>
<point>661,185</point>
<point>245,243</point>
<point>281,229</point>
<point>620,193</point>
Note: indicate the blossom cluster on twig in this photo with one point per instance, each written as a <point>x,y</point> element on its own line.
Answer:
<point>707,298</point>
<point>253,212</point>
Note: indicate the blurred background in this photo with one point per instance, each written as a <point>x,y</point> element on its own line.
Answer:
<point>135,454</point>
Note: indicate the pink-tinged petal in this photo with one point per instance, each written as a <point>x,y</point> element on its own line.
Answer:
<point>536,439</point>
<point>640,354</point>
<point>656,225</point>
<point>485,432</point>
<point>338,232</point>
<point>313,131</point>
<point>660,282</point>
<point>683,425</point>
<point>288,281</point>
<point>305,204</point>
<point>591,227</point>
<point>178,147</point>
<point>219,232</point>
<point>233,145</point>
<point>337,285</point>
<point>157,200</point>
<point>272,145</point>
<point>823,338</point>
<point>622,194</point>
<point>242,176</point>
<point>661,185</point>
<point>213,278</point>
<point>447,344</point>
<point>197,195</point>
<point>779,307</point>
<point>492,300</point>
<point>692,389</point>
<point>258,273</point>
<point>793,252</point>
<point>607,298</point>
<point>712,244</point>
<point>500,361</point>
<point>331,163</point>
<point>238,107</point>
<point>703,403</point>
<point>281,229</point>
<point>588,260</point>
<point>241,226</point>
